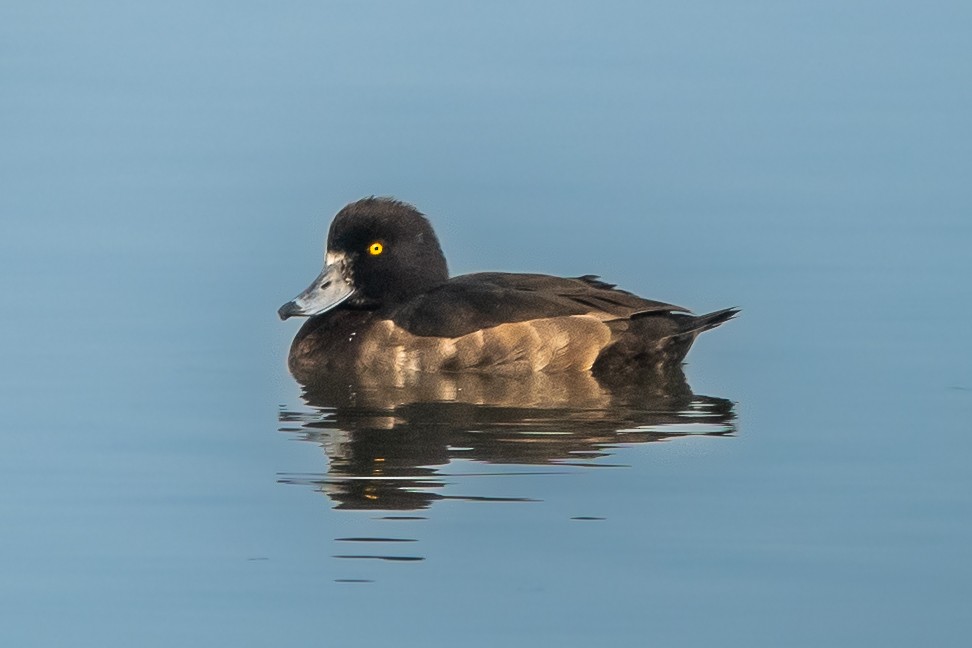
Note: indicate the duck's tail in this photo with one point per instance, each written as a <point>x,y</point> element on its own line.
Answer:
<point>699,323</point>
<point>656,342</point>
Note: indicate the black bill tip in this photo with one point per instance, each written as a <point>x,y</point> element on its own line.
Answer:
<point>289,309</point>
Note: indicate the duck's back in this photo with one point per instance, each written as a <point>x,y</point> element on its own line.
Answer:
<point>473,302</point>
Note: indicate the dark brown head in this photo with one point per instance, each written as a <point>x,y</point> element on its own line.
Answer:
<point>380,251</point>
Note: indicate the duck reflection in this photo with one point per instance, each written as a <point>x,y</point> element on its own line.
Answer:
<point>390,441</point>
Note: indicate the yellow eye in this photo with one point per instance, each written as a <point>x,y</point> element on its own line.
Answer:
<point>375,248</point>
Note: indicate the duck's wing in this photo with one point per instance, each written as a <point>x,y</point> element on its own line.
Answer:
<point>477,301</point>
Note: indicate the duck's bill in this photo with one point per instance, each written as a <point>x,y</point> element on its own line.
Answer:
<point>331,288</point>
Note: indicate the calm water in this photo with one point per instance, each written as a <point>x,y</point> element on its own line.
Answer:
<point>168,173</point>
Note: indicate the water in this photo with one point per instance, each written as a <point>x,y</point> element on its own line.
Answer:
<point>168,173</point>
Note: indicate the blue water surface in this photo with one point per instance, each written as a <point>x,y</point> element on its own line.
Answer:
<point>167,174</point>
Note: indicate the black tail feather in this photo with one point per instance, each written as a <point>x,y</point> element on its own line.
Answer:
<point>656,342</point>
<point>698,323</point>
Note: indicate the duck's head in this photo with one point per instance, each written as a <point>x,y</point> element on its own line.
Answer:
<point>379,251</point>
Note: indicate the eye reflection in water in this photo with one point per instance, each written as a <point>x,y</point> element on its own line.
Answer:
<point>389,446</point>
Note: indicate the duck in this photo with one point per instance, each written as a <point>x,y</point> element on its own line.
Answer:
<point>385,304</point>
